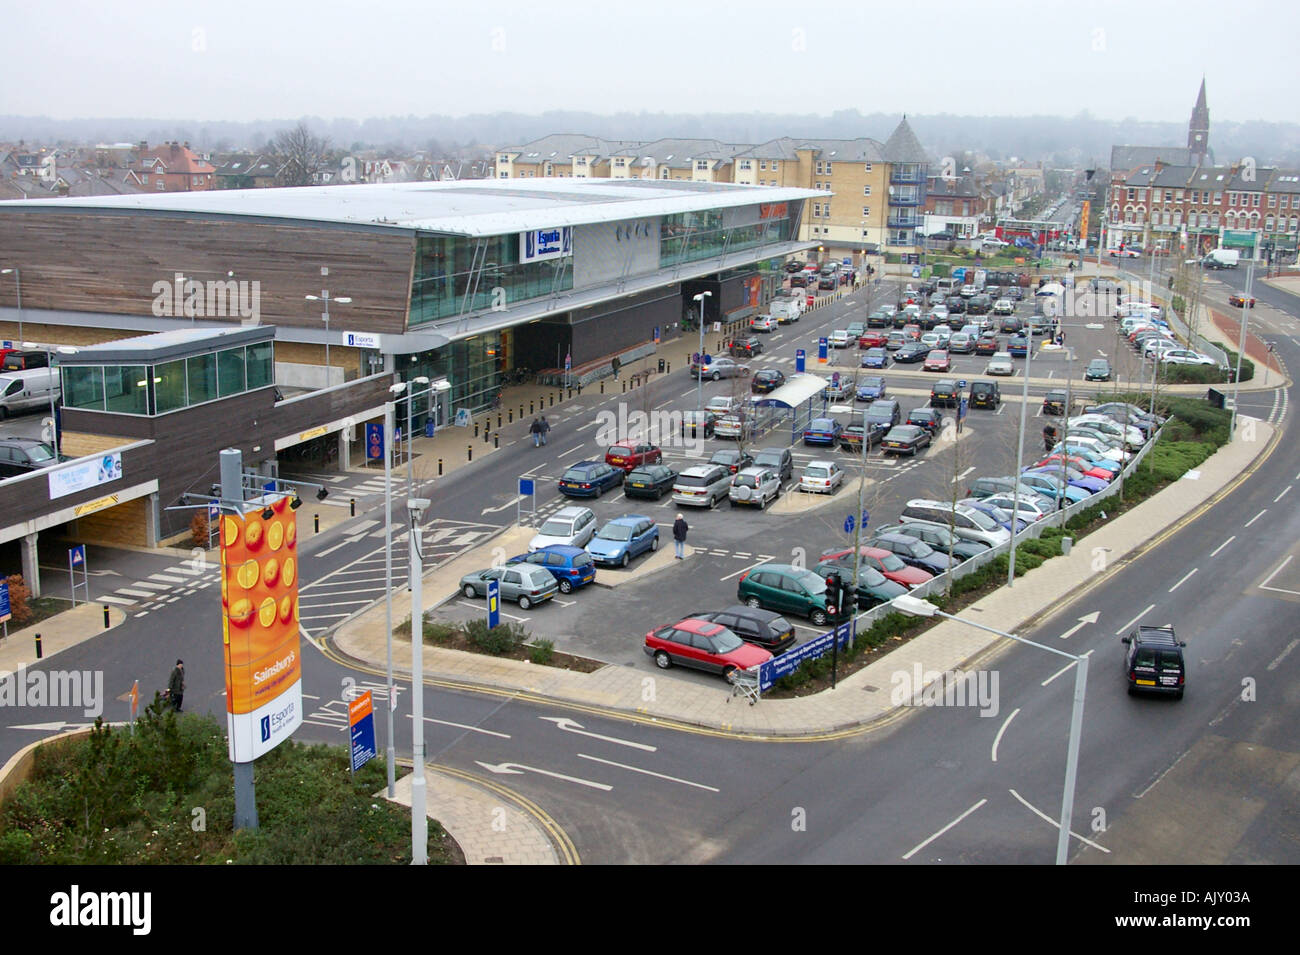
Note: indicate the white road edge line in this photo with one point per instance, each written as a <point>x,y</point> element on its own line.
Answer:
<point>1184,580</point>
<point>1049,819</point>
<point>1135,619</point>
<point>634,769</point>
<point>998,739</point>
<point>743,569</point>
<point>1280,568</point>
<point>914,850</point>
<point>1215,552</point>
<point>571,451</point>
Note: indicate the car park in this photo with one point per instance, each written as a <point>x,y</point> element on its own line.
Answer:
<point>1018,345</point>
<point>821,477</point>
<point>650,481</point>
<point>890,566</point>
<point>526,584</point>
<point>702,645</point>
<point>1154,662</point>
<point>766,381</point>
<point>999,364</point>
<point>945,393</point>
<point>928,418</point>
<point>787,589</point>
<point>719,368</point>
<point>988,345</point>
<point>873,587</point>
<point>871,388</point>
<point>884,412</point>
<point>1098,370</point>
<point>733,460</point>
<point>572,567</point>
<point>872,339</point>
<point>1029,508</point>
<point>762,628</point>
<point>822,431</point>
<point>895,340</point>
<point>961,343</point>
<point>1054,488</point>
<point>875,358</point>
<point>779,460</point>
<point>906,439</point>
<point>703,485</point>
<point>965,522</point>
<point>1054,401</point>
<point>623,538</point>
<point>1003,518</point>
<point>939,538</point>
<point>1183,356</point>
<point>630,455</point>
<point>937,360</point>
<point>754,486</point>
<point>571,526</point>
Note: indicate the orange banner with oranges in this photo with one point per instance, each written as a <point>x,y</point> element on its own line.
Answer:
<point>259,602</point>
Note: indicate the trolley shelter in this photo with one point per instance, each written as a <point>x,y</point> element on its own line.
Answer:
<point>799,400</point>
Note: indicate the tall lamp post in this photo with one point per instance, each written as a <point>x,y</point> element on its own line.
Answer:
<point>699,376</point>
<point>419,819</point>
<point>1020,456</point>
<point>1241,344</point>
<point>18,279</point>
<point>324,298</point>
<point>917,607</point>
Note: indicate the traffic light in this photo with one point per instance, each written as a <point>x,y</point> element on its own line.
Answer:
<point>834,596</point>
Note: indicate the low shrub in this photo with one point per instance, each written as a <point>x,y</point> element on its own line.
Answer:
<point>497,640</point>
<point>19,596</point>
<point>542,652</point>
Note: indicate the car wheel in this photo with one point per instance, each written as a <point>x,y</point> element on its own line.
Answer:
<point>818,617</point>
<point>753,602</point>
<point>662,660</point>
<point>470,591</point>
<point>1178,695</point>
<point>623,562</point>
<point>566,586</point>
<point>654,543</point>
<point>524,602</point>
<point>716,376</point>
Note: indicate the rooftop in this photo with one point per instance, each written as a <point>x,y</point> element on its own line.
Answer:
<point>480,207</point>
<point>169,346</point>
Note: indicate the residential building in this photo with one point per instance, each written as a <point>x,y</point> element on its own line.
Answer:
<point>171,167</point>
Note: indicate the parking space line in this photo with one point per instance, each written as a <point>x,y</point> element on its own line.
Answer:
<point>919,846</point>
<point>743,570</point>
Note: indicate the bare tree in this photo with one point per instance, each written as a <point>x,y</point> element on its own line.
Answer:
<point>301,154</point>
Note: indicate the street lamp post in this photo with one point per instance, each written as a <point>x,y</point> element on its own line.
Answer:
<point>917,607</point>
<point>324,298</point>
<point>419,819</point>
<point>18,280</point>
<point>699,376</point>
<point>1241,344</point>
<point>388,587</point>
<point>1020,457</point>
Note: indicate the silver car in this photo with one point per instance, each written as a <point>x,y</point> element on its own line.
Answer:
<point>526,584</point>
<point>721,367</point>
<point>702,486</point>
<point>757,486</point>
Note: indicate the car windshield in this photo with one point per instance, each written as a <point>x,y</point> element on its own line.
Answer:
<point>872,382</point>
<point>744,480</point>
<point>641,474</point>
<point>38,453</point>
<point>724,641</point>
<point>892,563</point>
<point>615,532</point>
<point>619,451</point>
<point>725,457</point>
<point>814,472</point>
<point>575,474</point>
<point>983,520</point>
<point>870,577</point>
<point>810,581</point>
<point>691,480</point>
<point>557,529</point>
<point>821,424</point>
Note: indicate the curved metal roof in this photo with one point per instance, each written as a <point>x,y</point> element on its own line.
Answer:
<point>796,390</point>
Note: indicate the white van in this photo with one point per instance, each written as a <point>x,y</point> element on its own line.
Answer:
<point>32,390</point>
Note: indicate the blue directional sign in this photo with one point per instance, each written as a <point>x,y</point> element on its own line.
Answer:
<point>656,335</point>
<point>428,428</point>
<point>526,486</point>
<point>493,603</point>
<point>269,487</point>
<point>959,273</point>
<point>4,601</point>
<point>213,511</point>
<point>961,408</point>
<point>848,524</point>
<point>800,360</point>
<point>821,350</point>
<point>961,383</point>
<point>916,271</point>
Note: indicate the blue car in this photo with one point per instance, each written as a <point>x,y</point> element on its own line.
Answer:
<point>571,566</point>
<point>1050,486</point>
<point>1018,346</point>
<point>590,479</point>
<point>997,513</point>
<point>875,358</point>
<point>871,388</point>
<point>1073,478</point>
<point>623,538</point>
<point>822,431</point>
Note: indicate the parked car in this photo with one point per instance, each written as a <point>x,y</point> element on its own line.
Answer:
<point>703,485</point>
<point>884,413</point>
<point>698,424</point>
<point>572,567</point>
<point>20,456</point>
<point>1054,401</point>
<point>999,364</point>
<point>986,394</point>
<point>822,431</point>
<point>763,628</point>
<point>779,460</point>
<point>872,338</point>
<point>1004,306</point>
<point>928,418</point>
<point>965,522</point>
<point>571,526</point>
<point>787,589</point>
<point>745,347</point>
<point>650,481</point>
<point>945,393</point>
<point>702,645</point>
<point>1183,356</point>
<point>1098,370</point>
<point>913,552</point>
<point>1028,508</point>
<point>590,479</point>
<point>624,538</point>
<point>937,360</point>
<point>961,343</point>
<point>939,538</point>
<point>906,439</point>
<point>767,381</point>
<point>821,477</point>
<point>839,388</point>
<point>988,345</point>
<point>910,353</point>
<point>880,318</point>
<point>875,358</point>
<point>1018,345</point>
<point>840,338</point>
<point>733,460</point>
<point>754,486</point>
<point>888,565</point>
<point>851,437</point>
<point>630,455</point>
<point>895,340</point>
<point>526,584</point>
<point>871,388</point>
<point>873,587</point>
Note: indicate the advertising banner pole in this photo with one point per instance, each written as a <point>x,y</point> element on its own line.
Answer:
<point>232,494</point>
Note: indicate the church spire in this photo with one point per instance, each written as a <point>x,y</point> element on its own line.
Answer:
<point>1198,130</point>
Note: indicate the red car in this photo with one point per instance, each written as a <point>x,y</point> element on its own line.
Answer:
<point>703,645</point>
<point>630,455</point>
<point>1237,300</point>
<point>889,564</point>
<point>872,339</point>
<point>937,360</point>
<point>1079,464</point>
<point>989,345</point>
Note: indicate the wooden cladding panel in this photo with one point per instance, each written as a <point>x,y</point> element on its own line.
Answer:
<point>92,262</point>
<point>124,524</point>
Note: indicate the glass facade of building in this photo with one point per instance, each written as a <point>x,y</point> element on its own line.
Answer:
<point>691,236</point>
<point>169,386</point>
<point>472,367</point>
<point>449,268</point>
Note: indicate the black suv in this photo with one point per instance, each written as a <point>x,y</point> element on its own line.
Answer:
<point>1154,661</point>
<point>25,455</point>
<point>945,394</point>
<point>1054,401</point>
<point>985,394</point>
<point>25,360</point>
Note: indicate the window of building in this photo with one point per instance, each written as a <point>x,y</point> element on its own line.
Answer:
<point>1232,198</point>
<point>1295,224</point>
<point>1180,195</point>
<point>619,162</point>
<point>702,165</point>
<point>1169,195</point>
<point>160,184</point>
<point>1295,201</point>
<point>774,165</point>
<point>1272,201</point>
<point>1214,220</point>
<point>866,211</point>
<point>1268,224</point>
<point>125,389</point>
<point>1142,195</point>
<point>1132,194</point>
<point>1254,199</point>
<point>817,210</point>
<point>867,168</point>
<point>503,159</point>
<point>746,165</point>
<point>1218,198</point>
<point>1205,220</point>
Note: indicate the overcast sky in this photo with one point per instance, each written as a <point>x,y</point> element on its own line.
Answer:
<point>283,59</point>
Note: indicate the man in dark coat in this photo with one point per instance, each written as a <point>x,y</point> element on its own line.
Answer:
<point>176,686</point>
<point>535,429</point>
<point>545,427</point>
<point>679,536</point>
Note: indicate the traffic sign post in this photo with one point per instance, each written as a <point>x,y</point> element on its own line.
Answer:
<point>527,489</point>
<point>77,559</point>
<point>800,360</point>
<point>5,612</point>
<point>493,603</point>
<point>214,524</point>
<point>821,350</point>
<point>374,441</point>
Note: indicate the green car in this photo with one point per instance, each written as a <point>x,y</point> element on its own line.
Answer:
<point>785,589</point>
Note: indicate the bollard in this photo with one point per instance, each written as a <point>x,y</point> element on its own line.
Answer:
<point>625,387</point>
<point>530,406</point>
<point>571,391</point>
<point>669,366</point>
<point>498,420</point>
<point>440,467</point>
<point>496,440</point>
<point>486,436</point>
<point>317,522</point>
<point>579,389</point>
<point>352,507</point>
<point>510,415</point>
<point>107,622</point>
<point>521,411</point>
<point>552,401</point>
<point>602,387</point>
<point>469,452</point>
<point>39,653</point>
<point>476,429</point>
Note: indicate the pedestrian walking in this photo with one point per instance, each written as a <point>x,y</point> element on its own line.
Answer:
<point>616,365</point>
<point>535,429</point>
<point>545,427</point>
<point>176,686</point>
<point>680,528</point>
<point>1049,437</point>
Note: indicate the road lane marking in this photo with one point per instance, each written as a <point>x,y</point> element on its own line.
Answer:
<point>1184,580</point>
<point>1063,669</point>
<point>914,850</point>
<point>1269,578</point>
<point>517,769</point>
<point>635,769</point>
<point>571,451</point>
<point>1049,819</point>
<point>1282,495</point>
<point>998,739</point>
<point>1215,552</point>
<point>1135,619</point>
<point>743,569</point>
<point>1256,517</point>
<point>1283,655</point>
<point>465,726</point>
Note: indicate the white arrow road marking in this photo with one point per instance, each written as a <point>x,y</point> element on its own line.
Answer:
<point>1049,819</point>
<point>998,739</point>
<point>1083,622</point>
<point>518,769</point>
<point>510,503</point>
<point>915,849</point>
<point>634,769</point>
<point>962,476</point>
<point>572,726</point>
